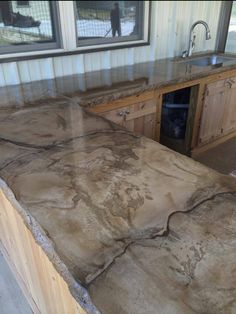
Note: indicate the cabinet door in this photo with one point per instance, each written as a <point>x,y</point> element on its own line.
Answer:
<point>229,118</point>
<point>214,104</point>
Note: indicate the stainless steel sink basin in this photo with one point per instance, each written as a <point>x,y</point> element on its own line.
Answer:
<point>209,60</point>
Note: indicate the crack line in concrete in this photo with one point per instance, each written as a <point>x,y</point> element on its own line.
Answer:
<point>164,234</point>
<point>58,144</point>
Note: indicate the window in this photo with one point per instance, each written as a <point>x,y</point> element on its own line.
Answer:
<point>71,26</point>
<point>28,28</point>
<point>227,28</point>
<point>111,22</point>
<point>231,36</point>
<point>22,3</point>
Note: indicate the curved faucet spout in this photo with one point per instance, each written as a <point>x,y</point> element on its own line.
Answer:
<point>191,43</point>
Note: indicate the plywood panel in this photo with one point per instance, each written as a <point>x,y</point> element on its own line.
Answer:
<point>149,125</point>
<point>229,118</point>
<point>42,285</point>
<point>218,111</point>
<point>214,105</point>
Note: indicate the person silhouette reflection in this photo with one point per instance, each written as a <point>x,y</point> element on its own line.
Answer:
<point>115,20</point>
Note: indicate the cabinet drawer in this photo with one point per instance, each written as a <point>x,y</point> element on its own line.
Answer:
<point>117,115</point>
<point>140,117</point>
<point>141,109</point>
<point>130,112</point>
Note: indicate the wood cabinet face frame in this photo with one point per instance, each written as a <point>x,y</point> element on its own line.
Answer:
<point>198,94</point>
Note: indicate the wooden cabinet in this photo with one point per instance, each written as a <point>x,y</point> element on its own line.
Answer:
<point>229,117</point>
<point>219,111</point>
<point>211,116</point>
<point>139,114</point>
<point>139,118</point>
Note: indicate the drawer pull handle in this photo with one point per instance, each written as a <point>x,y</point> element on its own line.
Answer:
<point>229,83</point>
<point>120,113</point>
<point>123,112</point>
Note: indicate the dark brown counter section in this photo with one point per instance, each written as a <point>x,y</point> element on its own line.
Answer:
<point>94,88</point>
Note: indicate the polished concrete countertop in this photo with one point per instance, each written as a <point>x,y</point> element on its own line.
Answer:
<point>93,88</point>
<point>132,226</point>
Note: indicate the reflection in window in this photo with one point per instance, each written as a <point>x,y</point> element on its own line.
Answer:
<point>109,21</point>
<point>21,23</point>
<point>231,38</point>
<point>22,3</point>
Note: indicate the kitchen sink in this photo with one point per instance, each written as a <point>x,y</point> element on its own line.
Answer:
<point>209,60</point>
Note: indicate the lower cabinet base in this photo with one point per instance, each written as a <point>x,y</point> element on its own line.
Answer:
<point>200,149</point>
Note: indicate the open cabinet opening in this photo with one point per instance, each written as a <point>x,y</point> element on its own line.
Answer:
<point>174,120</point>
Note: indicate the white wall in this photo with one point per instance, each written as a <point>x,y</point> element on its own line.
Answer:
<point>170,25</point>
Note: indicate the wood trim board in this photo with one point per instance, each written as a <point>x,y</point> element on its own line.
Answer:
<point>123,102</point>
<point>44,288</point>
<point>198,150</point>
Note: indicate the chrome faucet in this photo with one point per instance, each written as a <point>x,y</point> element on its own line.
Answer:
<point>191,44</point>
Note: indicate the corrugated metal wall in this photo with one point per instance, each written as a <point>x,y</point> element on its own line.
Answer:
<point>170,24</point>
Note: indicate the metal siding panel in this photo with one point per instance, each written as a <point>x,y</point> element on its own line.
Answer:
<point>153,31</point>
<point>57,65</point>
<point>11,74</point>
<point>34,70</point>
<point>46,68</point>
<point>121,57</point>
<point>141,54</point>
<point>105,59</point>
<point>95,61</point>
<point>2,78</point>
<point>78,63</point>
<point>67,67</point>
<point>24,73</point>
<point>117,58</point>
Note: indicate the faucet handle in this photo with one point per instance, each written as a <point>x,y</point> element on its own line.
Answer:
<point>193,41</point>
<point>208,35</point>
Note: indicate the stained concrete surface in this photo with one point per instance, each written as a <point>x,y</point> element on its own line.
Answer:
<point>189,271</point>
<point>95,190</point>
<point>12,300</point>
<point>221,158</point>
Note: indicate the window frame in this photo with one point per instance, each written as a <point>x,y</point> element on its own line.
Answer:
<point>45,46</point>
<point>67,38</point>
<point>18,5</point>
<point>124,42</point>
<point>223,27</point>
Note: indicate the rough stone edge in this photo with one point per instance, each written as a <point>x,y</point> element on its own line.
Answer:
<point>115,95</point>
<point>80,294</point>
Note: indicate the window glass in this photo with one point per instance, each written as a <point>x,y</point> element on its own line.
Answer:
<point>25,23</point>
<point>231,38</point>
<point>109,21</point>
<point>22,3</point>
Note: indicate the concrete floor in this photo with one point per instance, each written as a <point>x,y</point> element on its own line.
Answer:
<point>12,301</point>
<point>221,158</point>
